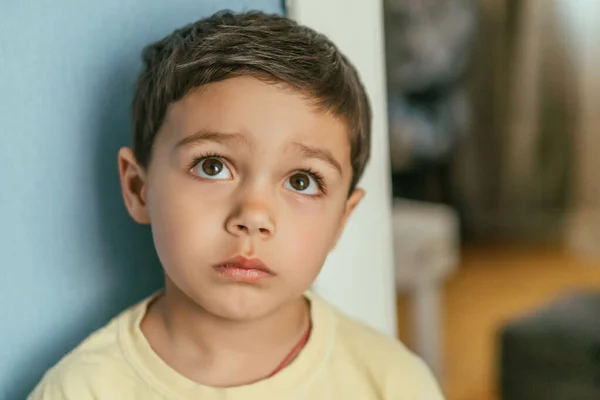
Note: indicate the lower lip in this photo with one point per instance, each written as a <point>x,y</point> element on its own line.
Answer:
<point>246,275</point>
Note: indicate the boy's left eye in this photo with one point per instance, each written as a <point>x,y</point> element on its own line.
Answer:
<point>212,168</point>
<point>302,183</point>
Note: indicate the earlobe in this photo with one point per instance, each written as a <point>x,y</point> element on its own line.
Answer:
<point>351,203</point>
<point>133,186</point>
<point>353,200</point>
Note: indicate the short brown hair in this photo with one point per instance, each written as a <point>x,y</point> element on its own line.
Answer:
<point>270,47</point>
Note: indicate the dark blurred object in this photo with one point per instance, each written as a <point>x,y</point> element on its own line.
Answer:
<point>428,45</point>
<point>553,354</point>
<point>428,42</point>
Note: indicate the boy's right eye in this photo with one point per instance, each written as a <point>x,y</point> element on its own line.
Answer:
<point>212,168</point>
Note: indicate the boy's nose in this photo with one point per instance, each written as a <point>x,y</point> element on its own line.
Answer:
<point>251,220</point>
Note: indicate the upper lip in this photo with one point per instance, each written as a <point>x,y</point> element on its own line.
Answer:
<point>246,263</point>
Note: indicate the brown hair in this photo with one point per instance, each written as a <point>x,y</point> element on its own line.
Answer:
<point>270,47</point>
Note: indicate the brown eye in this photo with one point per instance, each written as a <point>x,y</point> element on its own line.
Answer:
<point>212,166</point>
<point>299,182</point>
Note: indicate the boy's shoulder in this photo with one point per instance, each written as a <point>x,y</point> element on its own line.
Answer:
<point>389,363</point>
<point>365,342</point>
<point>95,361</point>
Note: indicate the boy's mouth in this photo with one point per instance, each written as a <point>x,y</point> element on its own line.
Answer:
<point>241,269</point>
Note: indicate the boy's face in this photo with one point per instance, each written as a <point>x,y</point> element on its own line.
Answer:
<point>243,170</point>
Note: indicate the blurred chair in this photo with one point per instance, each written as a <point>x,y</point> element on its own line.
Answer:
<point>554,352</point>
<point>426,251</point>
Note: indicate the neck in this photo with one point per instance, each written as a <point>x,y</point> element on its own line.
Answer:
<point>183,333</point>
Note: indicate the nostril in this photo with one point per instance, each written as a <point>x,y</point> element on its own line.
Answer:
<point>242,228</point>
<point>264,231</point>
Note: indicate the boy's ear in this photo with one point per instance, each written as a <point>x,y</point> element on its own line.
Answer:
<point>133,186</point>
<point>351,203</point>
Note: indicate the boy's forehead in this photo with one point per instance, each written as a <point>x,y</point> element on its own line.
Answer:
<point>255,112</point>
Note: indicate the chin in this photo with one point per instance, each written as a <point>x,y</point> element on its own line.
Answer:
<point>238,302</point>
<point>240,311</point>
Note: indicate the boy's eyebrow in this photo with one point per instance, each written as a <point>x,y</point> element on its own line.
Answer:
<point>212,136</point>
<point>320,154</point>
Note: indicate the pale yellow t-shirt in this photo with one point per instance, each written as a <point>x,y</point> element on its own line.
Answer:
<point>343,359</point>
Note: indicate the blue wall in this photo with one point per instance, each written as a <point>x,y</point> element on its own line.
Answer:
<point>70,256</point>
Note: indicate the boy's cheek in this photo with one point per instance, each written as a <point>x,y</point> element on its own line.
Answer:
<point>186,196</point>
<point>308,238</point>
<point>184,221</point>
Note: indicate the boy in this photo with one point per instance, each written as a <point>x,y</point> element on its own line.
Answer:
<point>250,133</point>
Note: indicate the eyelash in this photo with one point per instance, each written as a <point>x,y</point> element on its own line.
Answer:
<point>319,179</point>
<point>201,157</point>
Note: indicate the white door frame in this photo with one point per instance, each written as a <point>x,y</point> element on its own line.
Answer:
<point>358,276</point>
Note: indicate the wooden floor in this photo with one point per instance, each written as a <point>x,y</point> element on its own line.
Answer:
<point>494,284</point>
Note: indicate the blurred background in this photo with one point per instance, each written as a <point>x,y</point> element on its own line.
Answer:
<point>494,142</point>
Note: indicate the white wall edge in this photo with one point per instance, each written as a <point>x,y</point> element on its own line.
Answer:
<point>358,276</point>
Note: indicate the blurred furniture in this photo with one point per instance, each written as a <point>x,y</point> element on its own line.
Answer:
<point>428,50</point>
<point>582,20</point>
<point>426,251</point>
<point>553,353</point>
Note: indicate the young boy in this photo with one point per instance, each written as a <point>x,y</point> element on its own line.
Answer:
<point>250,133</point>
